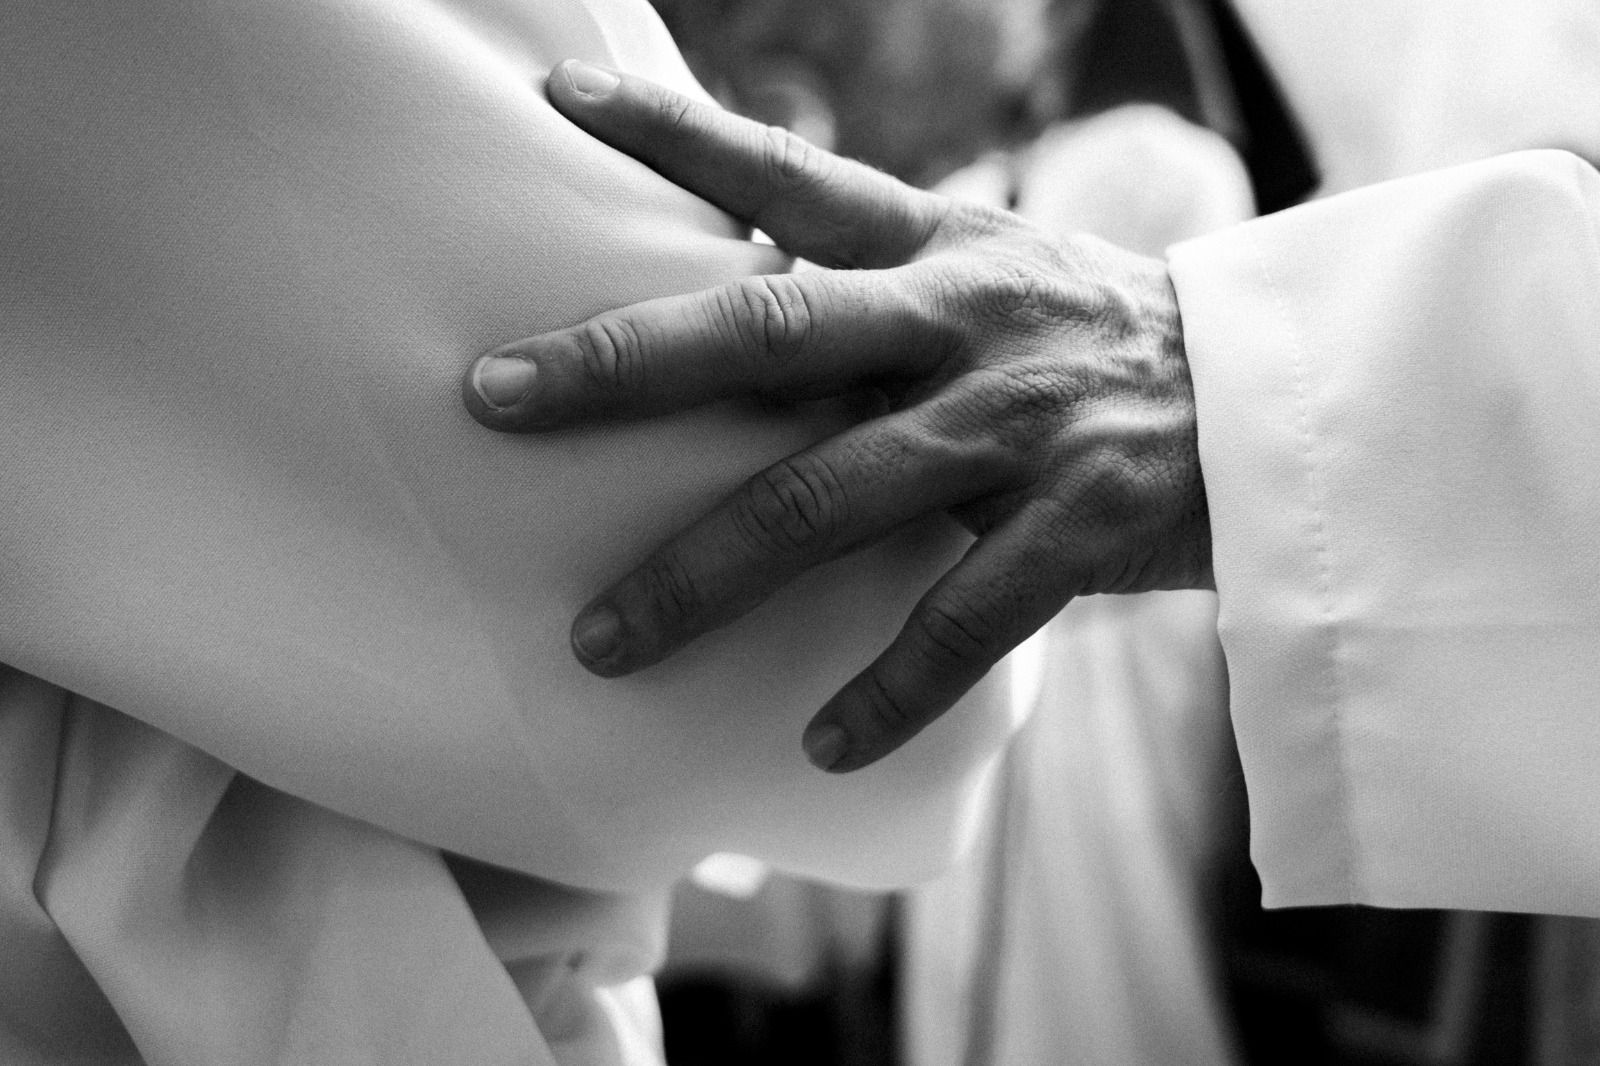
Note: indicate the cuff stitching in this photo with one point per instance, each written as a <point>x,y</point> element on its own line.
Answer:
<point>1322,551</point>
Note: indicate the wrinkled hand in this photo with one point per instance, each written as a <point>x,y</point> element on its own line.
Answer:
<point>1037,391</point>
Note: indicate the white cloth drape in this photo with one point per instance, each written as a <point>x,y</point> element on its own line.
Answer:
<point>158,907</point>
<point>246,251</point>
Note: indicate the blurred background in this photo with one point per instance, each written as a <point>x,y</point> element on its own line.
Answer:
<point>1107,913</point>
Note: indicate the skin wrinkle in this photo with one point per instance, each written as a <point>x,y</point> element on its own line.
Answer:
<point>723,318</point>
<point>800,504</point>
<point>784,315</point>
<point>795,182</point>
<point>611,357</point>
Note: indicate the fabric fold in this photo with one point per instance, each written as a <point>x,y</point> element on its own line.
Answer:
<point>164,910</point>
<point>1396,390</point>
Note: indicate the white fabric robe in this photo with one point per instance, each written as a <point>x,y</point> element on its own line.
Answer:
<point>246,252</point>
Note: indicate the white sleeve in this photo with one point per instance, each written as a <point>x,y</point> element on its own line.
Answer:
<point>1397,393</point>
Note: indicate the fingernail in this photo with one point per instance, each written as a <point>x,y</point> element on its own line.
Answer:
<point>590,80</point>
<point>503,381</point>
<point>826,746</point>
<point>597,634</point>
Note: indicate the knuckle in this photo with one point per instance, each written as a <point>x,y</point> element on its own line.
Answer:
<point>937,217</point>
<point>981,220</point>
<point>1038,398</point>
<point>1119,489</point>
<point>956,633</point>
<point>779,317</point>
<point>960,223</point>
<point>677,113</point>
<point>1021,413</point>
<point>792,164</point>
<point>1018,296</point>
<point>610,355</point>
<point>937,308</point>
<point>671,593</point>
<point>797,506</point>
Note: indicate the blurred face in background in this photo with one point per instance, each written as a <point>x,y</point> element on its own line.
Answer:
<point>916,87</point>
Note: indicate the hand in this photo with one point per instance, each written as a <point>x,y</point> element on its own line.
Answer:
<point>1037,391</point>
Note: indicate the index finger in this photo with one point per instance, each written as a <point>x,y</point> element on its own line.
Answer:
<point>798,336</point>
<point>814,204</point>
